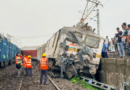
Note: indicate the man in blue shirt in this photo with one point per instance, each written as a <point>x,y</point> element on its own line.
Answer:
<point>120,44</point>
<point>104,50</point>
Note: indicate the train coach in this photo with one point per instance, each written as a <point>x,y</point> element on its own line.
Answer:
<point>8,52</point>
<point>35,51</point>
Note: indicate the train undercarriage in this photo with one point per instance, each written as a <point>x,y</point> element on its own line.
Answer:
<point>68,68</point>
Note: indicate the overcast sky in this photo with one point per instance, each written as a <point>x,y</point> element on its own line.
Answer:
<point>28,18</point>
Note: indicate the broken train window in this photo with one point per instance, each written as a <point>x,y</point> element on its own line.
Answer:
<point>92,41</point>
<point>78,34</point>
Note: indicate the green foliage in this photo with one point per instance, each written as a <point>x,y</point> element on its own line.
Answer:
<point>83,83</point>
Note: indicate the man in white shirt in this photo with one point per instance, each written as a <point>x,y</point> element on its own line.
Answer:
<point>107,41</point>
<point>112,44</point>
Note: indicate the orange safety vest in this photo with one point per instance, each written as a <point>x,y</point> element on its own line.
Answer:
<point>16,58</point>
<point>28,63</point>
<point>24,60</point>
<point>43,64</point>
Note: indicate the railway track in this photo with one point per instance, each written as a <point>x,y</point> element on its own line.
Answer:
<point>65,84</point>
<point>57,88</point>
<point>32,82</point>
<point>51,85</point>
<point>98,84</point>
<point>10,81</point>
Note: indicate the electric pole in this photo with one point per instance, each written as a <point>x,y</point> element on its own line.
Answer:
<point>98,26</point>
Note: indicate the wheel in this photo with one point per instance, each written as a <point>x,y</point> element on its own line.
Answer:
<point>0,65</point>
<point>9,62</point>
<point>92,70</point>
<point>4,64</point>
<point>50,64</point>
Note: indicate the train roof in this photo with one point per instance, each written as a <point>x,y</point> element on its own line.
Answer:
<point>80,30</point>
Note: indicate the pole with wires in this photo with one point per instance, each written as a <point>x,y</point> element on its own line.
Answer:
<point>94,3</point>
<point>98,24</point>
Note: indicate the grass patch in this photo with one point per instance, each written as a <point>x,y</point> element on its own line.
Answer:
<point>83,83</point>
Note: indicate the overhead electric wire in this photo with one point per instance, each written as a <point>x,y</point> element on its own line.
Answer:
<point>100,7</point>
<point>33,36</point>
<point>90,8</point>
<point>84,10</point>
<point>87,7</point>
<point>101,28</point>
<point>104,3</point>
<point>74,18</point>
<point>3,29</point>
<point>89,12</point>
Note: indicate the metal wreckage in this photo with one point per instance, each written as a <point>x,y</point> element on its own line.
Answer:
<point>75,50</point>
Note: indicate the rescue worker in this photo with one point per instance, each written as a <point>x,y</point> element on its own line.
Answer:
<point>21,55</point>
<point>28,63</point>
<point>18,62</point>
<point>44,68</point>
<point>25,57</point>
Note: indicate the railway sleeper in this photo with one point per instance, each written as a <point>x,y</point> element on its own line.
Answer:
<point>98,84</point>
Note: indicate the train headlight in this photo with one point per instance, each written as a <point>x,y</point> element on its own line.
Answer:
<point>94,55</point>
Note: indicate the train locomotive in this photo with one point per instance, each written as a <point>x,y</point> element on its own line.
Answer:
<point>74,50</point>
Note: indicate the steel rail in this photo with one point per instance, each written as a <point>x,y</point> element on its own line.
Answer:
<point>20,86</point>
<point>53,83</point>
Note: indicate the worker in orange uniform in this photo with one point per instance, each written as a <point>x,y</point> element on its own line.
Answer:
<point>28,63</point>
<point>25,57</point>
<point>21,55</point>
<point>44,68</point>
<point>18,62</point>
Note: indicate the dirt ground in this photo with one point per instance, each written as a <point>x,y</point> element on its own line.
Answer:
<point>65,84</point>
<point>10,81</point>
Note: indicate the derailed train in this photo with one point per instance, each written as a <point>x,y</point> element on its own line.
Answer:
<point>74,50</point>
<point>8,51</point>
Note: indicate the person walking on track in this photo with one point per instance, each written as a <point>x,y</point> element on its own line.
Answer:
<point>44,68</point>
<point>18,62</point>
<point>28,63</point>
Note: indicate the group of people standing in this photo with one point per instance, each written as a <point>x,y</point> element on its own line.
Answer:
<point>25,62</point>
<point>120,43</point>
